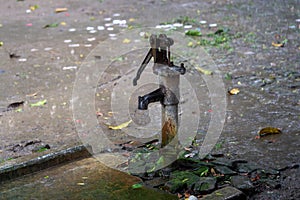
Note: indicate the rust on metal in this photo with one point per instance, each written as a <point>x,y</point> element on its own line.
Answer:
<point>169,131</point>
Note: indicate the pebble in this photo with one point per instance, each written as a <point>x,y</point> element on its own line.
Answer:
<point>92,31</point>
<point>297,20</point>
<point>72,29</point>
<point>249,53</point>
<point>74,45</point>
<point>119,22</point>
<point>91,39</point>
<point>203,22</point>
<point>107,19</point>
<point>116,14</point>
<point>177,25</point>
<point>212,25</point>
<point>100,28</point>
<point>187,26</point>
<point>48,49</point>
<point>142,34</point>
<point>22,60</point>
<point>88,45</point>
<point>33,50</point>
<point>67,41</point>
<point>69,67</point>
<point>292,27</point>
<point>112,35</point>
<point>108,24</point>
<point>89,28</point>
<point>110,28</point>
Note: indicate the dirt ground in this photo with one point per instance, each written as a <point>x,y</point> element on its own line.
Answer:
<point>41,50</point>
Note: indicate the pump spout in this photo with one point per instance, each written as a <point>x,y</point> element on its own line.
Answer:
<point>152,97</point>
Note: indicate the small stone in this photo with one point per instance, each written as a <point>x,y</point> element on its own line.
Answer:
<point>67,41</point>
<point>212,25</point>
<point>205,185</point>
<point>72,29</point>
<point>225,170</point>
<point>188,26</point>
<point>228,193</point>
<point>100,28</point>
<point>74,45</point>
<point>156,182</point>
<point>91,39</point>
<point>93,31</point>
<point>242,182</point>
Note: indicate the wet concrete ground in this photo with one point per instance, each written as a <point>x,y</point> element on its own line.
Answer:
<point>83,179</point>
<point>41,63</point>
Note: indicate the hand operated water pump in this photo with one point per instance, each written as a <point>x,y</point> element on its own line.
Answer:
<point>168,92</point>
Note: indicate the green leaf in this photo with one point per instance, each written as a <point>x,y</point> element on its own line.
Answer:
<point>39,103</point>
<point>219,194</point>
<point>160,161</point>
<point>204,173</point>
<point>204,71</point>
<point>137,186</point>
<point>193,33</point>
<point>228,76</point>
<point>51,25</point>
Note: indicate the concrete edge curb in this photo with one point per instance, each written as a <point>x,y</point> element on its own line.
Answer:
<point>11,171</point>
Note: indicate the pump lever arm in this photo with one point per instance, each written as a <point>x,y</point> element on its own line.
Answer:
<point>143,66</point>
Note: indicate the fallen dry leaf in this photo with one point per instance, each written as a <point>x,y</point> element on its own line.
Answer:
<point>234,91</point>
<point>268,131</point>
<point>121,126</point>
<point>277,44</point>
<point>58,10</point>
<point>204,71</point>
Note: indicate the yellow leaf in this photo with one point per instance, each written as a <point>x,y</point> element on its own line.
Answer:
<point>190,44</point>
<point>234,91</point>
<point>63,23</point>
<point>126,41</point>
<point>269,131</point>
<point>204,71</point>
<point>58,10</point>
<point>277,44</point>
<point>123,125</point>
<point>81,184</point>
<point>131,20</point>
